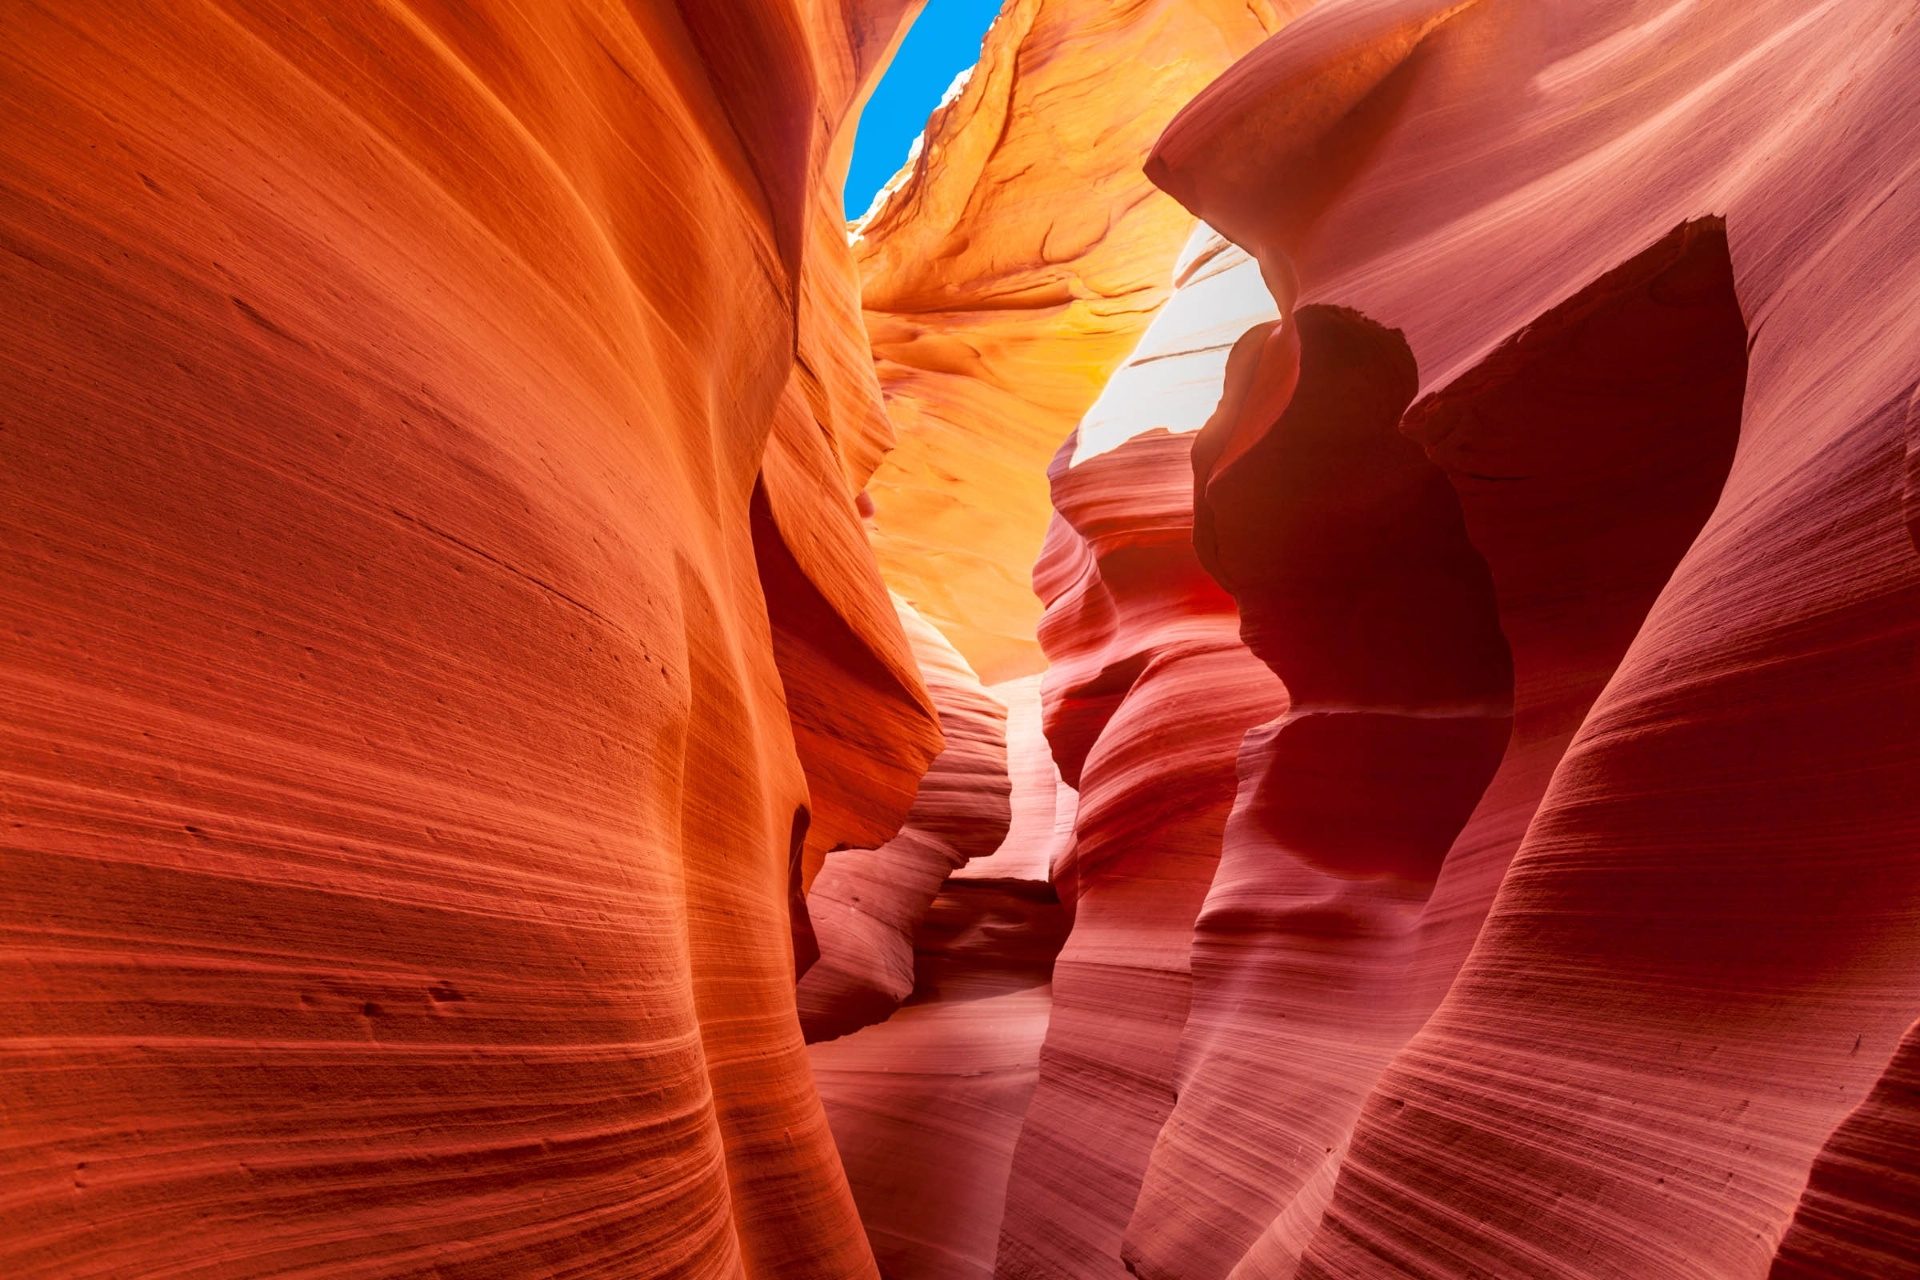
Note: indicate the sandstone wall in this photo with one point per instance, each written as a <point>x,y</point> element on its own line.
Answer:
<point>1011,270</point>
<point>404,813</point>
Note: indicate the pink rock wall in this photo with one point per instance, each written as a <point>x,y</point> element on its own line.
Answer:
<point>1136,633</point>
<point>1702,953</point>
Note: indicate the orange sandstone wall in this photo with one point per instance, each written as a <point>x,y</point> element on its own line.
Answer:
<point>400,788</point>
<point>1010,271</point>
<point>866,903</point>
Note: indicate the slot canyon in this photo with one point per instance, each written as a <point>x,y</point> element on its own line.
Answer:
<point>1298,659</point>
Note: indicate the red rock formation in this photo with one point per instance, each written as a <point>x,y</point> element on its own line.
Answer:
<point>400,788</point>
<point>1136,632</point>
<point>866,903</point>
<point>1704,948</point>
<point>1582,522</point>
<point>1859,1218</point>
<point>1008,273</point>
<point>925,1106</point>
<point>1348,553</point>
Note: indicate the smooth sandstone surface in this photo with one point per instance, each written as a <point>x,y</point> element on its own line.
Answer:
<point>1859,1218</point>
<point>402,799</point>
<point>1703,952</point>
<point>1137,634</point>
<point>866,903</point>
<point>1011,269</point>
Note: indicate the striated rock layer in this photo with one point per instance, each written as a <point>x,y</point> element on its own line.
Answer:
<point>866,903</point>
<point>1859,1218</point>
<point>1011,268</point>
<point>926,1106</point>
<point>1703,951</point>
<point>1138,635</point>
<point>403,809</point>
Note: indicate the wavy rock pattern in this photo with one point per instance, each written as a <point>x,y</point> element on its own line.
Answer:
<point>1136,631</point>
<point>1700,957</point>
<point>401,793</point>
<point>1859,1218</point>
<point>1009,272</point>
<point>1348,553</point>
<point>926,1106</point>
<point>866,903</point>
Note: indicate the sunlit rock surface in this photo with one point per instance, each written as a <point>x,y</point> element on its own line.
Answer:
<point>402,800</point>
<point>1011,270</point>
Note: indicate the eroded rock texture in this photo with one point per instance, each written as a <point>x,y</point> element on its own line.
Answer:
<point>403,805</point>
<point>1139,636</point>
<point>1658,343</point>
<point>1860,1214</point>
<point>866,903</point>
<point>1011,270</point>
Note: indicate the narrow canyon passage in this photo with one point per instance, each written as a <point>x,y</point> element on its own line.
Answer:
<point>1297,659</point>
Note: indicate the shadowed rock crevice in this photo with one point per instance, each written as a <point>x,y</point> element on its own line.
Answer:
<point>1588,449</point>
<point>1348,555</point>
